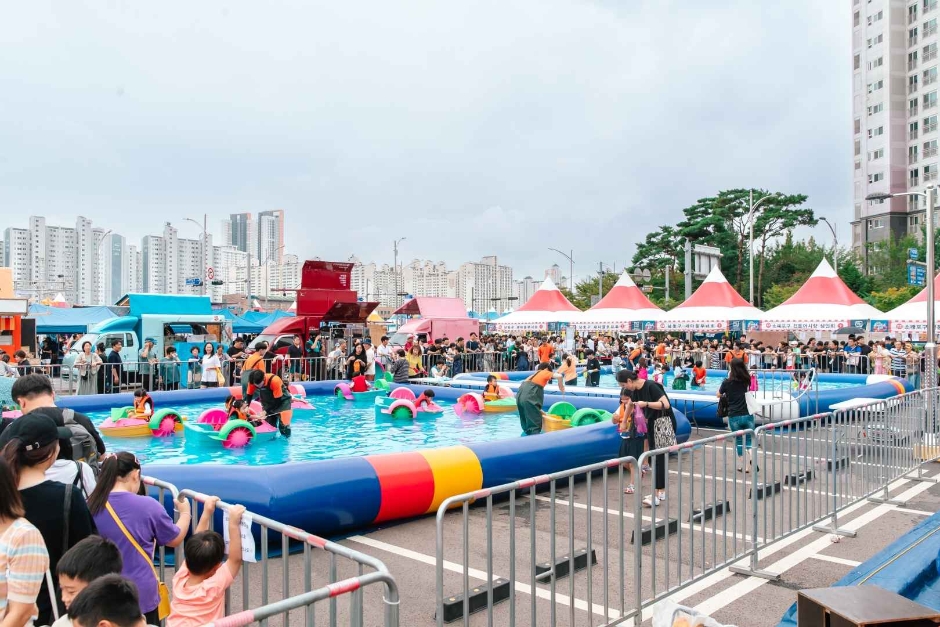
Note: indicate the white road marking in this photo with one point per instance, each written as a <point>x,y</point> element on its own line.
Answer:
<point>560,599</point>
<point>918,512</point>
<point>835,560</point>
<point>750,584</point>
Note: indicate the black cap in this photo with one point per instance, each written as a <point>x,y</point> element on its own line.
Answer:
<point>34,431</point>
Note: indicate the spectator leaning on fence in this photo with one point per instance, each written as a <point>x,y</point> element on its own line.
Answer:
<point>138,524</point>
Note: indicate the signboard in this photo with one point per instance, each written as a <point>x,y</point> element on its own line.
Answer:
<point>916,273</point>
<point>861,324</point>
<point>879,326</point>
<point>643,326</point>
<point>647,288</point>
<point>913,254</point>
<point>804,325</point>
<point>195,281</point>
<point>751,325</point>
<point>248,540</point>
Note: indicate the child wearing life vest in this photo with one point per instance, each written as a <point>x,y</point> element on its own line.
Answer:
<point>143,404</point>
<point>491,391</point>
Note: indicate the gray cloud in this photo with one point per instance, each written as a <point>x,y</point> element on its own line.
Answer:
<point>473,128</point>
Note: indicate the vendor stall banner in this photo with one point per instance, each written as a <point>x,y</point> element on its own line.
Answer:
<point>692,325</point>
<point>803,325</point>
<point>879,326</point>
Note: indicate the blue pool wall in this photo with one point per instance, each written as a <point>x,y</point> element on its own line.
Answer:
<point>908,566</point>
<point>330,497</point>
<point>706,410</point>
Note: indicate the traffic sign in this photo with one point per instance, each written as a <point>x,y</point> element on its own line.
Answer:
<point>647,288</point>
<point>913,254</point>
<point>210,273</point>
<point>194,281</point>
<point>916,273</point>
<point>646,274</point>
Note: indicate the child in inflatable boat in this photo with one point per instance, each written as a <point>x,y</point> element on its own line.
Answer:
<point>143,404</point>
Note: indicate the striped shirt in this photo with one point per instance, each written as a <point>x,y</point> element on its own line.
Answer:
<point>23,564</point>
<point>898,360</point>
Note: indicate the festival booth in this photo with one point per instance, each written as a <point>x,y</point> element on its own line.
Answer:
<point>910,319</point>
<point>12,310</point>
<point>51,319</point>
<point>544,310</point>
<point>625,308</point>
<point>823,304</point>
<point>715,307</point>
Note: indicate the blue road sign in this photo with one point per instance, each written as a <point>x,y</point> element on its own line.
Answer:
<point>913,254</point>
<point>195,281</point>
<point>916,274</point>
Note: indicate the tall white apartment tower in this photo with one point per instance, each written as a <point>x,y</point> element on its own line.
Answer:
<point>895,109</point>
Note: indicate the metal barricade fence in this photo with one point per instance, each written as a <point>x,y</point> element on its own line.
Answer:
<point>272,530</point>
<point>544,535</point>
<point>802,474</point>
<point>329,579</point>
<point>699,525</point>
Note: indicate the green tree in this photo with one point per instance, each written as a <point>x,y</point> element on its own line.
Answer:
<point>777,217</point>
<point>778,294</point>
<point>584,290</point>
<point>887,261</point>
<point>892,297</point>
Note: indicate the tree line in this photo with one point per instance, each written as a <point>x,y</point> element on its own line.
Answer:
<point>781,264</point>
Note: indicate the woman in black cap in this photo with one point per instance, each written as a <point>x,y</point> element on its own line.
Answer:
<point>30,446</point>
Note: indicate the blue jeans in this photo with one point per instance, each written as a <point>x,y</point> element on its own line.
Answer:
<point>737,423</point>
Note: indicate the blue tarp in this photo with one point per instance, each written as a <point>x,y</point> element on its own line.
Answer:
<point>240,325</point>
<point>264,319</point>
<point>72,320</point>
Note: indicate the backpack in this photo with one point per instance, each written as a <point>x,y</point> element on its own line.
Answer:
<point>84,447</point>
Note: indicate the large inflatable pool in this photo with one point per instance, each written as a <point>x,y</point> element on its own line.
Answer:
<point>779,392</point>
<point>339,488</point>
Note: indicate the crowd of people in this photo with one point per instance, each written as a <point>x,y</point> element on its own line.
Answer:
<point>76,546</point>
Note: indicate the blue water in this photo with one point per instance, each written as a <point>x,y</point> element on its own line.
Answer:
<point>334,428</point>
<point>712,383</point>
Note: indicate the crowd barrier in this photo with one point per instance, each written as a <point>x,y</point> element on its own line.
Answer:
<point>340,572</point>
<point>727,497</point>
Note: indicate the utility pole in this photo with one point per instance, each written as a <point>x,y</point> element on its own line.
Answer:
<point>667,283</point>
<point>600,280</point>
<point>688,268</point>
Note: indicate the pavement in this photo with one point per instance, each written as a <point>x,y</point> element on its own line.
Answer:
<point>496,537</point>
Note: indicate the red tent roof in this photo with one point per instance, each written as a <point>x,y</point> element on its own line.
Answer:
<point>625,295</point>
<point>922,296</point>
<point>432,307</point>
<point>548,298</point>
<point>824,287</point>
<point>715,291</point>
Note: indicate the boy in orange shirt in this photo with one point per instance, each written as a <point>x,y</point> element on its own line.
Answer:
<point>698,375</point>
<point>199,586</point>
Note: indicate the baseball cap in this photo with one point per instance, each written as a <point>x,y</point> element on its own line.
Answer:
<point>367,341</point>
<point>34,431</point>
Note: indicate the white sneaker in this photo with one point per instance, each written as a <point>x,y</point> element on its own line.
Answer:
<point>651,500</point>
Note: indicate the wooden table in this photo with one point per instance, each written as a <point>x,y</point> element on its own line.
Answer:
<point>860,606</point>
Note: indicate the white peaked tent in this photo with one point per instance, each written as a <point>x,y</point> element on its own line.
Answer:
<point>623,306</point>
<point>546,305</point>
<point>911,317</point>
<point>711,309</point>
<point>823,303</point>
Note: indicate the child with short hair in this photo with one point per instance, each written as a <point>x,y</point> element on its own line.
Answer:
<point>85,562</point>
<point>699,374</point>
<point>359,382</point>
<point>631,425</point>
<point>491,391</point>
<point>109,600</point>
<point>426,398</point>
<point>200,584</point>
<point>440,369</point>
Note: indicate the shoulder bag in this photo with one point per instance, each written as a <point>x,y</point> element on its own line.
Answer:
<point>664,432</point>
<point>163,610</point>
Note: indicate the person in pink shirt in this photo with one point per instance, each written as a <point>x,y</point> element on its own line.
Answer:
<point>199,586</point>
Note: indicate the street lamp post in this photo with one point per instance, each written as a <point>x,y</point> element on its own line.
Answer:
<point>397,274</point>
<point>835,244</point>
<point>750,241</point>
<point>202,249</point>
<point>570,258</point>
<point>930,348</point>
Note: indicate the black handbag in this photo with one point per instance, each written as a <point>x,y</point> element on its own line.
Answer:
<point>723,406</point>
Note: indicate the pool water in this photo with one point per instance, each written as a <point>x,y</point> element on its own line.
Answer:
<point>334,428</point>
<point>712,383</point>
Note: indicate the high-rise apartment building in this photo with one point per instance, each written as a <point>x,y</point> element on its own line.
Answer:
<point>895,113</point>
<point>113,269</point>
<point>135,270</point>
<point>485,285</point>
<point>425,278</point>
<point>16,256</point>
<point>524,289</point>
<point>271,236</point>
<point>238,231</point>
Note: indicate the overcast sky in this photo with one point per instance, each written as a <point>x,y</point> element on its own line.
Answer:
<point>472,128</point>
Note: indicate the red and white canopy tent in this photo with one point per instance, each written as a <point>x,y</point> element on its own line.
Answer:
<point>911,317</point>
<point>823,303</point>
<point>711,309</point>
<point>547,305</point>
<point>623,306</point>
